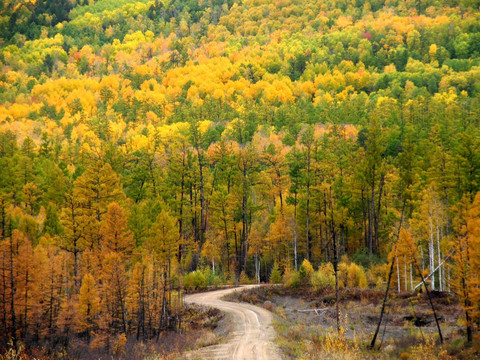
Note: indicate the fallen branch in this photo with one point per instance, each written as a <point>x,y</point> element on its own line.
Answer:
<point>314,310</point>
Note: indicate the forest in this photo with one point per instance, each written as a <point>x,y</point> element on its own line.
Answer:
<point>148,147</point>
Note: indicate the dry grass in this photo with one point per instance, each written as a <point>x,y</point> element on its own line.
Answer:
<point>410,331</point>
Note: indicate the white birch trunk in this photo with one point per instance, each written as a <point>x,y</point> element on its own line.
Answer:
<point>411,276</point>
<point>431,253</point>
<point>448,278</point>
<point>295,248</point>
<point>439,253</point>
<point>257,268</point>
<point>423,258</point>
<point>444,279</point>
<point>398,271</point>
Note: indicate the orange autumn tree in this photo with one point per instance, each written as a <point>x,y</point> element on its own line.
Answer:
<point>29,278</point>
<point>466,261</point>
<point>116,245</point>
<point>164,234</point>
<point>473,228</point>
<point>115,235</point>
<point>113,293</point>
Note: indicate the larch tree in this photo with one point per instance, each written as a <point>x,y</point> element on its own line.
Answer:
<point>248,170</point>
<point>465,258</point>
<point>95,189</point>
<point>113,293</point>
<point>307,143</point>
<point>163,237</point>
<point>73,240</point>
<point>88,305</point>
<point>473,282</point>
<point>114,230</point>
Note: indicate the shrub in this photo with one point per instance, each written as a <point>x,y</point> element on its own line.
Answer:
<point>209,276</point>
<point>365,259</point>
<point>362,280</point>
<point>218,281</point>
<point>302,272</point>
<point>306,269</point>
<point>244,280</point>
<point>377,276</point>
<point>342,275</point>
<point>232,280</point>
<point>213,279</point>
<point>321,280</point>
<point>324,277</point>
<point>276,275</point>
<point>291,279</point>
<point>356,276</point>
<point>195,281</point>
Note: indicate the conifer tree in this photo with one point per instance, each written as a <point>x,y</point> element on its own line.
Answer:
<point>88,305</point>
<point>115,235</point>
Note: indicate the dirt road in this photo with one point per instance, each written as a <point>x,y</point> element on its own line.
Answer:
<point>252,333</point>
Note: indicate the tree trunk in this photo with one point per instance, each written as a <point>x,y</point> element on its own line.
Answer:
<point>335,264</point>
<point>377,213</point>
<point>25,314</point>
<point>245,214</point>
<point>439,254</point>
<point>202,201</point>
<point>411,277</point>
<point>141,310</point>
<point>180,217</point>
<point>4,293</point>
<point>372,216</point>
<point>431,253</point>
<point>257,268</point>
<point>307,225</point>
<point>398,271</point>
<point>295,249</point>
<point>225,229</point>
<point>12,295</point>
<point>365,216</point>
<point>335,267</point>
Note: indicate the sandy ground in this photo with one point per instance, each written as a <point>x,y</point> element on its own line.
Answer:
<point>251,335</point>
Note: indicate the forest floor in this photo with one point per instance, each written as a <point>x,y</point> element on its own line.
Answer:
<point>246,332</point>
<point>408,328</point>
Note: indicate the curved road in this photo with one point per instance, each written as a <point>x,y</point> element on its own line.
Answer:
<point>252,335</point>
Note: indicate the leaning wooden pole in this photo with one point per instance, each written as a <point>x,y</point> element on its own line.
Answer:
<point>390,273</point>
<point>431,304</point>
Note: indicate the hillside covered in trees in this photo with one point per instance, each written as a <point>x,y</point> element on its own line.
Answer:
<point>144,140</point>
